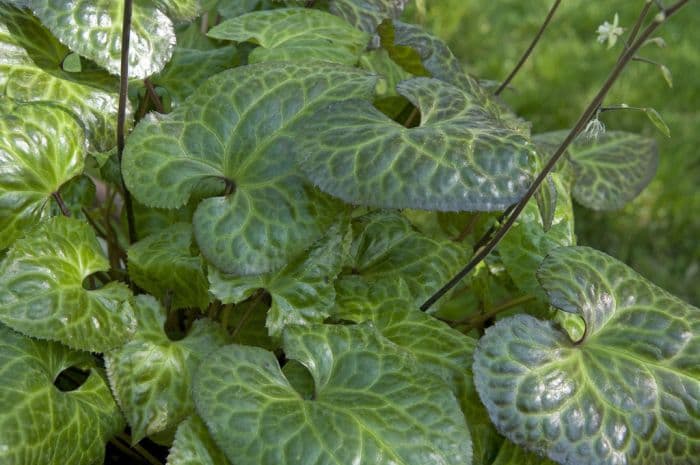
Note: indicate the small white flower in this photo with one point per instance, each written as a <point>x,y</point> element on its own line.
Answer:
<point>610,32</point>
<point>594,129</point>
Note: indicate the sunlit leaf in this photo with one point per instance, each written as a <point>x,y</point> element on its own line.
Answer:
<point>42,292</point>
<point>370,397</point>
<point>151,376</point>
<point>193,445</point>
<point>295,34</point>
<point>628,392</point>
<point>163,264</point>
<point>239,127</point>
<point>41,425</point>
<point>41,148</point>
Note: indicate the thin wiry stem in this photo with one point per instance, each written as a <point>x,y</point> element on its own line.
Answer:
<point>121,115</point>
<point>61,204</point>
<point>151,91</point>
<point>529,50</point>
<point>585,117</point>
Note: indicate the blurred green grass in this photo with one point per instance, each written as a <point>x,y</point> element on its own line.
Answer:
<point>658,234</point>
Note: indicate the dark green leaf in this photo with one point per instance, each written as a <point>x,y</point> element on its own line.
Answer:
<point>367,14</point>
<point>193,445</point>
<point>42,292</point>
<point>41,425</point>
<point>240,127</point>
<point>628,392</point>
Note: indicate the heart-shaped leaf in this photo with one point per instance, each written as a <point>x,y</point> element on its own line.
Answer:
<point>41,148</point>
<point>459,157</point>
<point>628,392</point>
<point>302,291</point>
<point>371,403</point>
<point>42,425</point>
<point>42,292</point>
<point>193,445</point>
<point>151,376</point>
<point>163,264</point>
<point>30,70</point>
<point>93,28</point>
<point>239,127</point>
<point>295,34</point>
<point>611,170</point>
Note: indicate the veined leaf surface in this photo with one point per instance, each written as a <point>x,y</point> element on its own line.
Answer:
<point>193,445</point>
<point>627,393</point>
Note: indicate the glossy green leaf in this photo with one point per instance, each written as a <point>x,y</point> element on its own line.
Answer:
<point>611,171</point>
<point>459,157</point>
<point>367,14</point>
<point>195,58</point>
<point>93,28</point>
<point>41,148</point>
<point>356,296</point>
<point>78,193</point>
<point>164,264</point>
<point>193,445</point>
<point>151,376</point>
<point>41,425</point>
<point>240,126</point>
<point>302,291</point>
<point>388,252</point>
<point>179,10</point>
<point>526,244</point>
<point>42,292</point>
<point>30,70</point>
<point>512,454</point>
<point>627,393</point>
<point>295,34</point>
<point>371,404</point>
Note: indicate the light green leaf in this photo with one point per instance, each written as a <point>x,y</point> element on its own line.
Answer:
<point>611,171</point>
<point>231,9</point>
<point>666,73</point>
<point>371,405</point>
<point>151,221</point>
<point>41,425</point>
<point>193,445</point>
<point>196,58</point>
<point>71,63</point>
<point>526,244</point>
<point>239,127</point>
<point>459,157</point>
<point>295,34</point>
<point>179,10</point>
<point>164,264</point>
<point>41,148</point>
<point>388,253</point>
<point>42,292</point>
<point>658,121</point>
<point>93,28</point>
<point>546,199</point>
<point>30,70</point>
<point>302,291</point>
<point>628,392</point>
<point>151,376</point>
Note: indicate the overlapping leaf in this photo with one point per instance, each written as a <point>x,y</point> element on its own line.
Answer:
<point>41,148</point>
<point>295,34</point>
<point>193,445</point>
<point>367,14</point>
<point>628,392</point>
<point>93,28</point>
<point>459,157</point>
<point>41,425</point>
<point>302,291</point>
<point>30,70</point>
<point>151,376</point>
<point>163,264</point>
<point>42,292</point>
<point>240,127</point>
<point>611,170</point>
<point>371,404</point>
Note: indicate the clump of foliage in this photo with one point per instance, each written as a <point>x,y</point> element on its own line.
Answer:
<point>256,273</point>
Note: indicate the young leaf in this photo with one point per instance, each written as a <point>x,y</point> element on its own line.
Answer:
<point>151,376</point>
<point>239,127</point>
<point>193,445</point>
<point>611,171</point>
<point>30,70</point>
<point>459,157</point>
<point>42,292</point>
<point>302,292</point>
<point>93,28</point>
<point>658,121</point>
<point>371,405</point>
<point>41,425</point>
<point>163,264</point>
<point>626,393</point>
<point>41,148</point>
<point>295,34</point>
